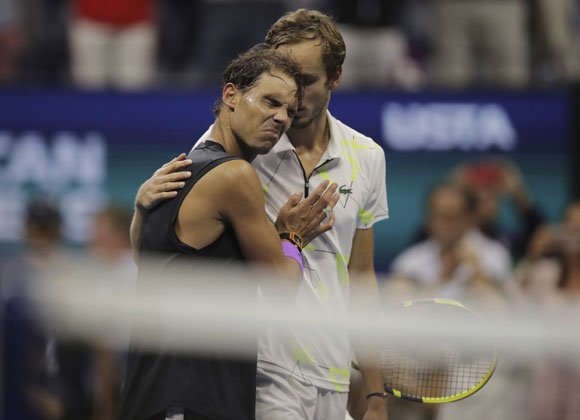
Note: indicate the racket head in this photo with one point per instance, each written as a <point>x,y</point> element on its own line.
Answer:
<point>444,372</point>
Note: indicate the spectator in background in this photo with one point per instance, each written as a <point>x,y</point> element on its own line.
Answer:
<point>457,261</point>
<point>559,37</point>
<point>90,375</point>
<point>11,39</point>
<point>480,34</point>
<point>454,261</point>
<point>455,257</point>
<point>572,217</point>
<point>556,251</point>
<point>53,379</point>
<point>31,388</point>
<point>550,280</point>
<point>570,240</point>
<point>110,241</point>
<point>378,51</point>
<point>113,43</point>
<point>490,181</point>
<point>110,246</point>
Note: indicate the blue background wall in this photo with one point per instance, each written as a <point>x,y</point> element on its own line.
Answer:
<point>88,149</point>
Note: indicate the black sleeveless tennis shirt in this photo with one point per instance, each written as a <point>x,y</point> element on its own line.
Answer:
<point>208,385</point>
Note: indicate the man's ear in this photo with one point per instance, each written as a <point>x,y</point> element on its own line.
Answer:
<point>230,96</point>
<point>335,80</point>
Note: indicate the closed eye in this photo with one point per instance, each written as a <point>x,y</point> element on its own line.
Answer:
<point>273,102</point>
<point>308,80</point>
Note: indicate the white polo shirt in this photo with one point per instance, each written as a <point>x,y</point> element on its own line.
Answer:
<point>357,164</point>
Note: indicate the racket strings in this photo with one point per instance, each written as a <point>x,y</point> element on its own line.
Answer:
<point>421,375</point>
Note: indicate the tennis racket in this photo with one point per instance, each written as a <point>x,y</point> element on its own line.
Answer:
<point>446,370</point>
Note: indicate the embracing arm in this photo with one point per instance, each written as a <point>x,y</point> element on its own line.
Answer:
<point>242,204</point>
<point>162,185</point>
<point>232,194</point>
<point>365,293</point>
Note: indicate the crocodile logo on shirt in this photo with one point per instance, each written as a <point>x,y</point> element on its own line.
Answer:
<point>345,193</point>
<point>343,189</point>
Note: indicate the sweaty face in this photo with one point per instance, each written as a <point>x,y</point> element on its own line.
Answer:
<point>316,85</point>
<point>264,112</point>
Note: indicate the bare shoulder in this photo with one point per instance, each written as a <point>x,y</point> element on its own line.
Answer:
<point>233,182</point>
<point>236,174</point>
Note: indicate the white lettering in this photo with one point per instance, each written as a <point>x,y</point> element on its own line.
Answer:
<point>497,129</point>
<point>69,166</point>
<point>92,159</point>
<point>28,160</point>
<point>67,159</point>
<point>438,126</point>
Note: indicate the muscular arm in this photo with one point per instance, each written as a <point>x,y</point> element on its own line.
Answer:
<point>365,293</point>
<point>165,182</point>
<point>243,206</point>
<point>232,193</point>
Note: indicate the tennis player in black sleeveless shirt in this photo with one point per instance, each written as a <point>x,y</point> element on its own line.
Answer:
<point>218,216</point>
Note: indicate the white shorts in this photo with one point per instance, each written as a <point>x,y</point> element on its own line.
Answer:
<point>281,397</point>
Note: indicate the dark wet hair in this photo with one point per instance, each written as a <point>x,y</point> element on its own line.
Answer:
<point>244,71</point>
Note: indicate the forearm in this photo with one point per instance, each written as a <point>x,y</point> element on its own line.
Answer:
<point>370,368</point>
<point>368,357</point>
<point>365,296</point>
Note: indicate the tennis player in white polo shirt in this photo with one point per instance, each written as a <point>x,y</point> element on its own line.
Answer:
<point>306,376</point>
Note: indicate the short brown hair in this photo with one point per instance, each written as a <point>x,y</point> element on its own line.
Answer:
<point>244,71</point>
<point>303,25</point>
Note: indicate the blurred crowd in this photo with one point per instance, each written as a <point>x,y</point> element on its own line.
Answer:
<point>45,377</point>
<point>403,44</point>
<point>461,252</point>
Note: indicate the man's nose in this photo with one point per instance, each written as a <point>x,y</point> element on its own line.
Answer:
<point>282,116</point>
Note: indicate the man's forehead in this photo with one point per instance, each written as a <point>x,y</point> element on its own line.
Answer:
<point>308,53</point>
<point>276,81</point>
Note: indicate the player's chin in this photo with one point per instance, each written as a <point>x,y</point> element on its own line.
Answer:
<point>301,121</point>
<point>264,147</point>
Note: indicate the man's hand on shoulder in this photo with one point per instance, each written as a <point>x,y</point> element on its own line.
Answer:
<point>164,183</point>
